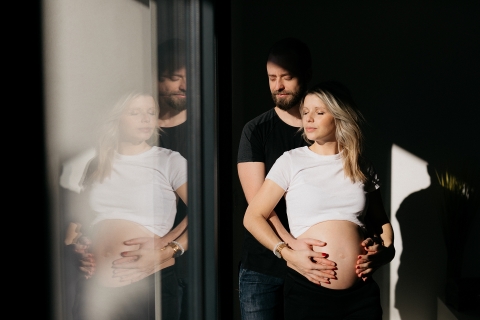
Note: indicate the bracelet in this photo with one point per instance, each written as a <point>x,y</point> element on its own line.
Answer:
<point>276,251</point>
<point>177,248</point>
<point>182,251</point>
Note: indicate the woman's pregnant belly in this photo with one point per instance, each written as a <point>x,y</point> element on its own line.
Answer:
<point>107,245</point>
<point>343,246</point>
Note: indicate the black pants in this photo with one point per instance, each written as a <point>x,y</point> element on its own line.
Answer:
<point>305,300</point>
<point>133,301</point>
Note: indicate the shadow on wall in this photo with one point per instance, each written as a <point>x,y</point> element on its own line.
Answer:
<point>437,226</point>
<point>422,270</point>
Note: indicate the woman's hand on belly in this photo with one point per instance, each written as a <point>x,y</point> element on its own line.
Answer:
<point>142,262</point>
<point>119,263</point>
<point>343,245</point>
<point>311,264</point>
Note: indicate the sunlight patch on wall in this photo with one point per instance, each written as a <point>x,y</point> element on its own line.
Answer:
<point>409,174</point>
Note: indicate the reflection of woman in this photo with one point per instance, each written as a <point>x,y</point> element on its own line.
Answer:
<point>331,193</point>
<point>133,191</point>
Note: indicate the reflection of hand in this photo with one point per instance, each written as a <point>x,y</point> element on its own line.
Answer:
<point>138,264</point>
<point>311,264</point>
<point>86,261</point>
<point>376,256</point>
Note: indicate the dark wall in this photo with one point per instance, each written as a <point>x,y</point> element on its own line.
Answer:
<point>27,177</point>
<point>412,66</point>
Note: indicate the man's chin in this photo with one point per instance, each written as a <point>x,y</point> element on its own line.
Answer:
<point>176,104</point>
<point>284,105</point>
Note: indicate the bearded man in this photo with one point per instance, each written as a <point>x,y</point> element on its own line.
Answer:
<point>263,140</point>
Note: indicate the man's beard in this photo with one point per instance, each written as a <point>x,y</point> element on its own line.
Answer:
<point>176,103</point>
<point>288,102</point>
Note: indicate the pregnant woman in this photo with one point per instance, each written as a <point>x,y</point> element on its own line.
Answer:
<point>133,188</point>
<point>332,194</point>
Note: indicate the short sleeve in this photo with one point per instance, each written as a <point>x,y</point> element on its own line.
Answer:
<point>372,181</point>
<point>281,172</point>
<point>250,148</point>
<point>177,170</point>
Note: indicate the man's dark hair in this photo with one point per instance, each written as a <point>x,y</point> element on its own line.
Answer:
<point>171,56</point>
<point>297,53</point>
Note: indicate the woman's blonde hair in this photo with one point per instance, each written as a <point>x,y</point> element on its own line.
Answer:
<point>109,137</point>
<point>348,119</point>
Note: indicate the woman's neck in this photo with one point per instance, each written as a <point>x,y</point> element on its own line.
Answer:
<point>130,149</point>
<point>325,148</point>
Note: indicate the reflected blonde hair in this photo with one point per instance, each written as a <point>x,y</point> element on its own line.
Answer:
<point>348,119</point>
<point>109,137</point>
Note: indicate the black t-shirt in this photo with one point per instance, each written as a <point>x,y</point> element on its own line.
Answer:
<point>264,139</point>
<point>175,138</point>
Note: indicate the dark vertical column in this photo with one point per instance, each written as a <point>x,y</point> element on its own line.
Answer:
<point>202,160</point>
<point>224,164</point>
<point>195,163</point>
<point>209,156</point>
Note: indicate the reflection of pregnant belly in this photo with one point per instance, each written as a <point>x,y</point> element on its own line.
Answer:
<point>343,240</point>
<point>107,245</point>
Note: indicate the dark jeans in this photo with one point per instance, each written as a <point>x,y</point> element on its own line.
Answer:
<point>183,298</point>
<point>260,296</point>
<point>130,302</point>
<point>305,300</point>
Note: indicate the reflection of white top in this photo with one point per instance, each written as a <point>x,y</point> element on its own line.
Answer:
<point>141,189</point>
<point>317,190</point>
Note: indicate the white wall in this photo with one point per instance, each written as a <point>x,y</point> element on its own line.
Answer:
<point>94,51</point>
<point>417,273</point>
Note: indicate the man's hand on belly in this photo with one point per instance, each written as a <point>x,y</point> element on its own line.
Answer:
<point>376,256</point>
<point>86,261</point>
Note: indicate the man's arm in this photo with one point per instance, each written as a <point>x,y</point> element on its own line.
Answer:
<point>252,176</point>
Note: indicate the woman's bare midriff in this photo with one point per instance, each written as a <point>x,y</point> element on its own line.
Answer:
<point>343,246</point>
<point>107,245</point>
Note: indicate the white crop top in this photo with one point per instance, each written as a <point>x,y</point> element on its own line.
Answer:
<point>141,189</point>
<point>317,190</point>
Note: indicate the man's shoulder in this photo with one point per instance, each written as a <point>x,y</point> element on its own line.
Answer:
<point>266,118</point>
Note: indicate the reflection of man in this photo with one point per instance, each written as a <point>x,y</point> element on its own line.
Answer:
<point>172,102</point>
<point>172,87</point>
<point>172,120</point>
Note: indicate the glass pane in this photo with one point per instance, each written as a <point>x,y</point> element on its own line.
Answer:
<point>108,66</point>
<point>172,99</point>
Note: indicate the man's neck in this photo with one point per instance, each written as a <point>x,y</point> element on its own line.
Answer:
<point>170,117</point>
<point>291,116</point>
